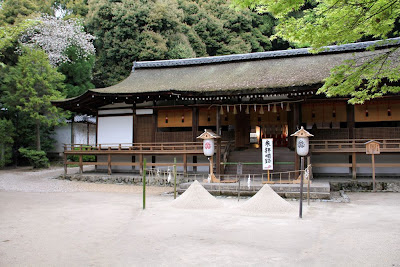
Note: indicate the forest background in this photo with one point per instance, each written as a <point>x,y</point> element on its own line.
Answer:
<point>55,49</point>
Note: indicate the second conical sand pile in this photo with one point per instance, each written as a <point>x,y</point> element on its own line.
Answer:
<point>266,201</point>
<point>196,197</point>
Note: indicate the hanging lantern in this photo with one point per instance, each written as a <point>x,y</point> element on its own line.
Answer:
<point>166,118</point>
<point>183,118</point>
<point>288,107</point>
<point>366,112</point>
<point>234,110</point>
<point>269,108</point>
<point>255,108</point>
<point>389,112</point>
<point>247,110</point>
<point>274,110</point>
<point>261,110</point>
<point>222,110</point>
<point>334,113</point>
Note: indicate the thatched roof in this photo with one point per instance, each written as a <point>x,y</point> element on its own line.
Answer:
<point>264,72</point>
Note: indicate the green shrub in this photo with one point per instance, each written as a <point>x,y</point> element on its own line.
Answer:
<point>36,158</point>
<point>85,158</point>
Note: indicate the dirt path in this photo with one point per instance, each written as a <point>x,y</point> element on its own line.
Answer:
<point>99,227</point>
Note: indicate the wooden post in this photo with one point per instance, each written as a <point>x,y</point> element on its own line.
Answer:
<point>65,164</point>
<point>373,173</point>
<point>354,166</point>
<point>174,178</point>
<point>309,178</point>
<point>218,160</point>
<point>195,123</point>
<point>109,163</point>
<point>80,164</point>
<point>141,163</point>
<point>185,163</point>
<point>211,166</point>
<point>144,184</point>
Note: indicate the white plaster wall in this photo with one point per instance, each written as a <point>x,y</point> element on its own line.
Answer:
<point>115,130</point>
<point>62,135</point>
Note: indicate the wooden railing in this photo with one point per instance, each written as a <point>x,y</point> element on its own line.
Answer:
<point>134,149</point>
<point>137,148</point>
<point>352,145</point>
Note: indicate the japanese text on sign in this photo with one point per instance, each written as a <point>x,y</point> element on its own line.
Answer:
<point>268,154</point>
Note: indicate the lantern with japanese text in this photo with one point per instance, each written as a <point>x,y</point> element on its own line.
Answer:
<point>302,143</point>
<point>208,149</point>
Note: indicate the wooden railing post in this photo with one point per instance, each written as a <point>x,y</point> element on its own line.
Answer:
<point>80,164</point>
<point>65,164</point>
<point>109,161</point>
<point>354,165</point>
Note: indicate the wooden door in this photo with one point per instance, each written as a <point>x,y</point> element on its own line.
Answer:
<point>144,129</point>
<point>242,129</point>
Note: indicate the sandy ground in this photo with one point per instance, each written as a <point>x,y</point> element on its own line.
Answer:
<point>48,222</point>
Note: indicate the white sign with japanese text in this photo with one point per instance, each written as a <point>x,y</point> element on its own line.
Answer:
<point>268,154</point>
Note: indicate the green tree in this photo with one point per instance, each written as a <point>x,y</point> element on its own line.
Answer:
<point>325,22</point>
<point>78,73</point>
<point>30,86</point>
<point>131,30</point>
<point>7,133</point>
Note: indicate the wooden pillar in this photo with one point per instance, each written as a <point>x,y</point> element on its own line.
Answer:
<point>109,163</point>
<point>219,132</point>
<point>80,164</point>
<point>88,133</point>
<point>185,163</point>
<point>65,161</point>
<point>218,159</point>
<point>354,166</point>
<point>141,163</point>
<point>350,120</point>
<point>195,123</point>
<point>296,126</point>
<point>153,160</point>
<point>194,161</point>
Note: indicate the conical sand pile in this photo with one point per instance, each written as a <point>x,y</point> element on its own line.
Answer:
<point>196,197</point>
<point>266,201</point>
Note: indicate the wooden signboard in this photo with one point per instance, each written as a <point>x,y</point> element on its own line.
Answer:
<point>372,147</point>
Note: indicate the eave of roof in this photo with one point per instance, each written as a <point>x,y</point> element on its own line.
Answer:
<point>273,71</point>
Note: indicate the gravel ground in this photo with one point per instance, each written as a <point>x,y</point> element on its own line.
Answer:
<point>44,181</point>
<point>50,222</point>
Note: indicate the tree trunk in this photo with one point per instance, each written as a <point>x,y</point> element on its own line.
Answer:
<point>38,146</point>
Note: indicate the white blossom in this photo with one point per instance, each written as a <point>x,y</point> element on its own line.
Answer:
<point>55,35</point>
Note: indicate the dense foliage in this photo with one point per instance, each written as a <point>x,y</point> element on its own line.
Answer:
<point>325,22</point>
<point>7,133</point>
<point>133,30</point>
<point>50,49</point>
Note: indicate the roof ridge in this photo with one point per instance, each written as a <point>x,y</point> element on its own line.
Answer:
<point>260,55</point>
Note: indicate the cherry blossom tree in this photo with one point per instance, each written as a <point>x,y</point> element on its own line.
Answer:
<point>55,36</point>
